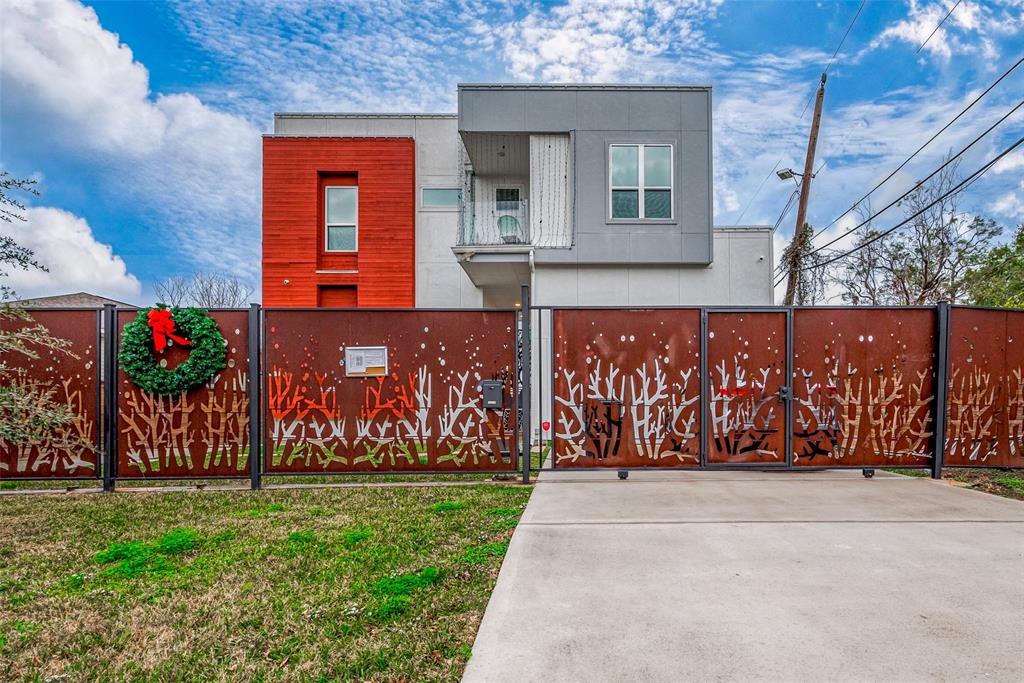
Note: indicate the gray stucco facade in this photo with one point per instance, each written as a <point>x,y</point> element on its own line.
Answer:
<point>595,118</point>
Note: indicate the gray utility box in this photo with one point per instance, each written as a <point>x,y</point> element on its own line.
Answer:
<point>493,391</point>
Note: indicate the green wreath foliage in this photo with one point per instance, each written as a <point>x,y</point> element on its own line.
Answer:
<point>207,353</point>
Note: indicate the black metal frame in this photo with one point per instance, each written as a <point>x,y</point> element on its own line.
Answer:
<point>524,388</point>
<point>110,391</point>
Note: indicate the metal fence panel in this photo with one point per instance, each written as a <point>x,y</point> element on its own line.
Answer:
<point>985,425</point>
<point>626,388</point>
<point>203,433</point>
<point>863,391</point>
<point>72,451</point>
<point>424,414</point>
<point>746,387</point>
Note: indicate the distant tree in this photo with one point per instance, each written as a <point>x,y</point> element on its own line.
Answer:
<point>999,280</point>
<point>206,290</point>
<point>28,411</point>
<point>926,261</point>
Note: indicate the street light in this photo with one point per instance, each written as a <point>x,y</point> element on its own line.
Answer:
<point>787,173</point>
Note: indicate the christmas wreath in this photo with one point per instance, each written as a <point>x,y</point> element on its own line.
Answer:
<point>156,328</point>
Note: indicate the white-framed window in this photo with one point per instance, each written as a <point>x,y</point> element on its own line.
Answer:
<point>341,218</point>
<point>640,182</point>
<point>440,197</point>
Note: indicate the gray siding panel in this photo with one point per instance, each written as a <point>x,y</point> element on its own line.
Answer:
<point>598,117</point>
<point>655,111</point>
<point>602,110</point>
<point>550,112</point>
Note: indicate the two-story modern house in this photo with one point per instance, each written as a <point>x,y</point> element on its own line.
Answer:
<point>592,194</point>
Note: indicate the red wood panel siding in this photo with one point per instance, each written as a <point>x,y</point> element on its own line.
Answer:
<point>295,171</point>
<point>345,296</point>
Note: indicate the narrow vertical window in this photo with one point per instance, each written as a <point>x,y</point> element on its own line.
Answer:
<point>640,181</point>
<point>341,212</point>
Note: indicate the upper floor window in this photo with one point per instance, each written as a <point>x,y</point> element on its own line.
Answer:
<point>441,197</point>
<point>641,181</point>
<point>341,213</point>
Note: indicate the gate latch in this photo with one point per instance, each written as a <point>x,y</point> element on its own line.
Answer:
<point>784,393</point>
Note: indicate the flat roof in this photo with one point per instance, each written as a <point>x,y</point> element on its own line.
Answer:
<point>359,115</point>
<point>581,86</point>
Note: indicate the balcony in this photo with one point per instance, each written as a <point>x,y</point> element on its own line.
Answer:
<point>494,223</point>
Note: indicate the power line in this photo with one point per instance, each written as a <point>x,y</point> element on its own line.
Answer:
<point>835,52</point>
<point>744,212</point>
<point>928,142</point>
<point>789,205</point>
<point>961,185</point>
<point>935,30</point>
<point>916,185</point>
<point>885,90</point>
<point>839,47</point>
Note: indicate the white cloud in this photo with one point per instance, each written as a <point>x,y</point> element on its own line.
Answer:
<point>1011,162</point>
<point>1010,205</point>
<point>64,244</point>
<point>361,55</point>
<point>195,170</point>
<point>606,40</point>
<point>972,28</point>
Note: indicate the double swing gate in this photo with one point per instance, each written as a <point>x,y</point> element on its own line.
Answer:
<point>501,391</point>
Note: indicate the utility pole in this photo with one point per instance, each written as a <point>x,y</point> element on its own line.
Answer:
<point>800,241</point>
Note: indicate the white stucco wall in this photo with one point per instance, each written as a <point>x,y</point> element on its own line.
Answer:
<point>740,275</point>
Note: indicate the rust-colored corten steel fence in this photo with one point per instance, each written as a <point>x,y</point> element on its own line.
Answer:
<point>627,388</point>
<point>863,387</point>
<point>421,410</point>
<point>746,369</point>
<point>72,378</point>
<point>787,387</point>
<point>200,434</point>
<point>986,388</point>
<point>356,391</point>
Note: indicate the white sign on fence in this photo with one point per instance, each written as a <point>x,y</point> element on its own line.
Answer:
<point>366,361</point>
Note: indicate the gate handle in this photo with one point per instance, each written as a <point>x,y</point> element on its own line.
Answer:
<point>784,393</point>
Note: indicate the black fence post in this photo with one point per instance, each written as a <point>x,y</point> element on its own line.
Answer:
<point>254,385</point>
<point>705,405</point>
<point>109,396</point>
<point>787,390</point>
<point>942,311</point>
<point>525,389</point>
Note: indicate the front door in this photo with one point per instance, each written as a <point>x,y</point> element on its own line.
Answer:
<point>747,387</point>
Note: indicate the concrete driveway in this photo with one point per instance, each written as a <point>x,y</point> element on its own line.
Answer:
<point>743,576</point>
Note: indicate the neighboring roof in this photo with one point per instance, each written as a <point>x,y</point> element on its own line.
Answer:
<point>73,300</point>
<point>744,228</point>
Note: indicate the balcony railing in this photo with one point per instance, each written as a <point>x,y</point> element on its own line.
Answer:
<point>494,222</point>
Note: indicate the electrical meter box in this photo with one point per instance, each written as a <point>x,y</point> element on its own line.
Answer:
<point>492,391</point>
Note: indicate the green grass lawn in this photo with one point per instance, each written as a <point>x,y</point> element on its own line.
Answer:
<point>286,585</point>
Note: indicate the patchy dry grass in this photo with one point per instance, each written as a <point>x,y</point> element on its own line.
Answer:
<point>287,585</point>
<point>1008,483</point>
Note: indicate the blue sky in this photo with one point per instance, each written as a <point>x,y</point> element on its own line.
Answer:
<point>142,120</point>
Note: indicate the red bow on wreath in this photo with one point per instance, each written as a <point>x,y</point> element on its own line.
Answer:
<point>163,327</point>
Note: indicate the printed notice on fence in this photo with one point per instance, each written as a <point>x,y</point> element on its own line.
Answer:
<point>366,361</point>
